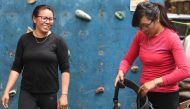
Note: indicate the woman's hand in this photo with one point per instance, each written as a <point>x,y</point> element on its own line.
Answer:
<point>11,81</point>
<point>63,102</point>
<point>146,87</point>
<point>120,76</point>
<point>5,100</point>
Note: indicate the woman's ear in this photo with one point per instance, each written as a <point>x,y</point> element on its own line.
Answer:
<point>34,19</point>
<point>158,19</point>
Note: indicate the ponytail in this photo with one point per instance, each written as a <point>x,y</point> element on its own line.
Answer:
<point>164,20</point>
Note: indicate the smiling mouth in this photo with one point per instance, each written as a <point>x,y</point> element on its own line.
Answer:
<point>47,26</point>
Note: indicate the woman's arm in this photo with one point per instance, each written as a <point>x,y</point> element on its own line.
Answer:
<point>63,100</point>
<point>11,82</point>
<point>131,54</point>
<point>183,69</point>
<point>65,78</point>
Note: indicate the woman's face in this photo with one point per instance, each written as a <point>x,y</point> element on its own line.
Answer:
<point>148,27</point>
<point>44,20</point>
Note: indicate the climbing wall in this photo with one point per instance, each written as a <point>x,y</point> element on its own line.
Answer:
<point>96,47</point>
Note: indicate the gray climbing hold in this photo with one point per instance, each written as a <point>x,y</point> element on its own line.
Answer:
<point>83,15</point>
<point>12,93</point>
<point>119,105</point>
<point>120,15</point>
<point>134,69</point>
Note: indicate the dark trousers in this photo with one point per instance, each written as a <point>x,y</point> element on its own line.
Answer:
<point>37,101</point>
<point>164,100</point>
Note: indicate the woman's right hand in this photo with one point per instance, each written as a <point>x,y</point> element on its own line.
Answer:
<point>11,81</point>
<point>120,76</point>
<point>5,100</point>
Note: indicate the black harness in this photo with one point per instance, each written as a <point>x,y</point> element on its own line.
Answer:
<point>142,102</point>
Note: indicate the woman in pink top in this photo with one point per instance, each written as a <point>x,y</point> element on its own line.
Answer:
<point>162,55</point>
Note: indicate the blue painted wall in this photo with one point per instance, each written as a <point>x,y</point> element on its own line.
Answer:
<point>96,47</point>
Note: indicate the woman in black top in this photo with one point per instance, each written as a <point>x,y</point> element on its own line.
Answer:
<point>38,56</point>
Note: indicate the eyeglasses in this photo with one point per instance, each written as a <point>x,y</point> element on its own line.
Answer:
<point>44,18</point>
<point>145,26</point>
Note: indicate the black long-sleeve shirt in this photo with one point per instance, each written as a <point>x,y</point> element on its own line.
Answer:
<point>39,62</point>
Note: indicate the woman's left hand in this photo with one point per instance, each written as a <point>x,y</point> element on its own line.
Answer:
<point>146,87</point>
<point>63,102</point>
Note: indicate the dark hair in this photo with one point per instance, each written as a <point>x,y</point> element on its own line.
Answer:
<point>37,9</point>
<point>151,11</point>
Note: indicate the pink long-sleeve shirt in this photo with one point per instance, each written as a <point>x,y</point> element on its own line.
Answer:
<point>161,56</point>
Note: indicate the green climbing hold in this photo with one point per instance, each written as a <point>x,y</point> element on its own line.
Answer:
<point>120,15</point>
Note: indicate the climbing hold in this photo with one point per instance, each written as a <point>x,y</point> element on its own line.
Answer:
<point>1,86</point>
<point>120,15</point>
<point>83,15</point>
<point>69,53</point>
<point>29,29</point>
<point>11,54</point>
<point>101,52</point>
<point>100,90</point>
<point>12,93</point>
<point>134,68</point>
<point>31,1</point>
<point>117,106</point>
